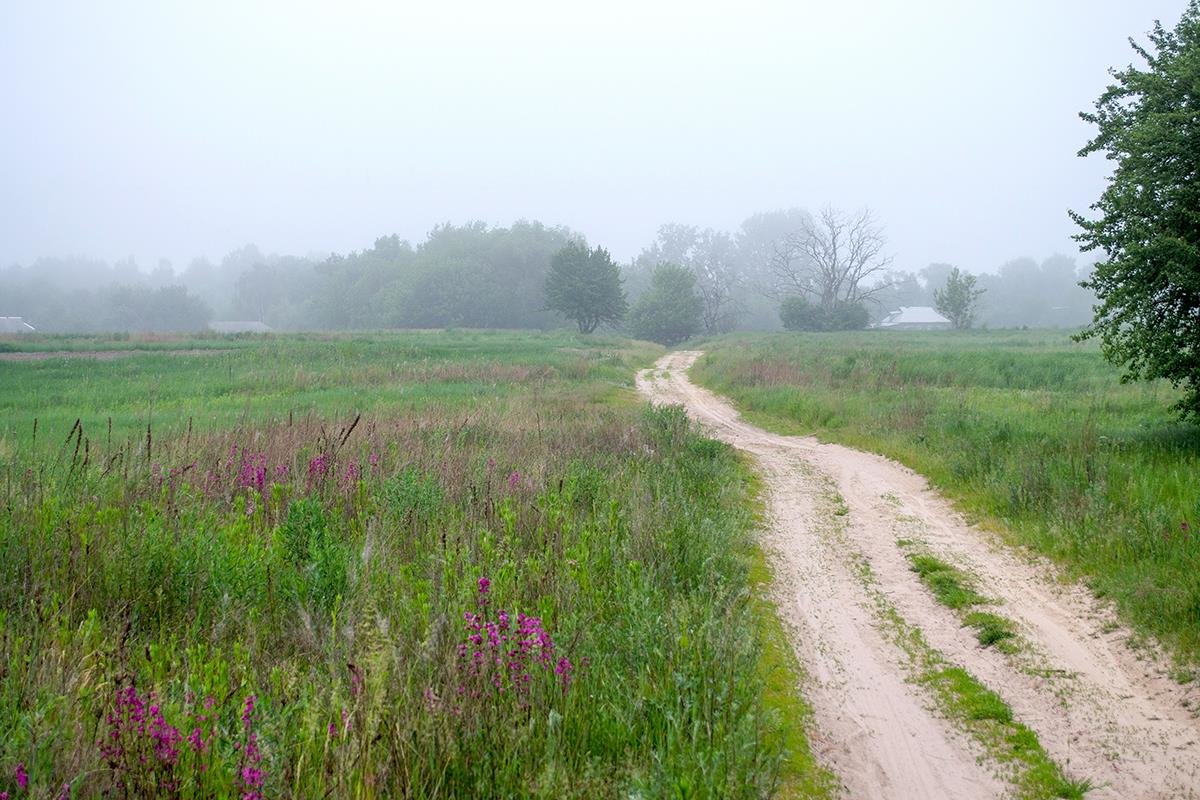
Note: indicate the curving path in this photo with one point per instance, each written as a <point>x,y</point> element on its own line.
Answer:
<point>1103,710</point>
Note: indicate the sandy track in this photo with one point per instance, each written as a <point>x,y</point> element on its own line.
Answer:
<point>1102,710</point>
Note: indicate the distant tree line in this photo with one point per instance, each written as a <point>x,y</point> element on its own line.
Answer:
<point>821,272</point>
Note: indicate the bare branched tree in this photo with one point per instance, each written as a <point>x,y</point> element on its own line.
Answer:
<point>831,258</point>
<point>714,261</point>
<point>712,256</point>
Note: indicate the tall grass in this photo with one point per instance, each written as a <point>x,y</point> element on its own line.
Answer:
<point>1024,428</point>
<point>542,592</point>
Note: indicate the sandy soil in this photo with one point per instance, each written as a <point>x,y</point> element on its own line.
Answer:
<point>1104,709</point>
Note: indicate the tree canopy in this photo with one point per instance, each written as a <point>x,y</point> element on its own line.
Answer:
<point>958,299</point>
<point>670,311</point>
<point>585,287</point>
<point>1148,223</point>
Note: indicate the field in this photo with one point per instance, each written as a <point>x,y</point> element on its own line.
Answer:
<point>1028,431</point>
<point>413,565</point>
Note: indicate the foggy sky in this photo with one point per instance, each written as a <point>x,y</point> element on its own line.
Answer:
<point>171,130</point>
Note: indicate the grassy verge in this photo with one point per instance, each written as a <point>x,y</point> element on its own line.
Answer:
<point>1026,430</point>
<point>417,566</point>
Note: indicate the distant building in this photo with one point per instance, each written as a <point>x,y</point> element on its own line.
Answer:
<point>239,326</point>
<point>915,318</point>
<point>15,325</point>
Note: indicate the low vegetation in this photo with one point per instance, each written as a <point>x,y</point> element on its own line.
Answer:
<point>953,589</point>
<point>1026,429</point>
<point>455,565</point>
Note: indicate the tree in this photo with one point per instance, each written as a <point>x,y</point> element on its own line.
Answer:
<point>585,286</point>
<point>669,311</point>
<point>1148,285</point>
<point>798,314</point>
<point>958,300</point>
<point>713,258</point>
<point>830,259</point>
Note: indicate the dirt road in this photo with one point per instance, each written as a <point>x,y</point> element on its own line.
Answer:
<point>1104,710</point>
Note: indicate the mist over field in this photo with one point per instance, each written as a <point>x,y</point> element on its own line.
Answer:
<point>757,401</point>
<point>264,158</point>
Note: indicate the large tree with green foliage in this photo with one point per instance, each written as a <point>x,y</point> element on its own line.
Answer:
<point>1148,285</point>
<point>670,311</point>
<point>585,286</point>
<point>958,300</point>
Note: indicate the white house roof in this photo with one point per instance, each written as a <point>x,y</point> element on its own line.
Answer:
<point>914,315</point>
<point>14,325</point>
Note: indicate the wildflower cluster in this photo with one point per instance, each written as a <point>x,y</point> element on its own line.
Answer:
<point>140,747</point>
<point>146,755</point>
<point>500,658</point>
<point>250,772</point>
<point>318,467</point>
<point>22,779</point>
<point>243,469</point>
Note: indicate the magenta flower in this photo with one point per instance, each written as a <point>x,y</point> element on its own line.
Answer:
<point>514,480</point>
<point>484,585</point>
<point>350,476</point>
<point>248,710</point>
<point>22,776</point>
<point>563,671</point>
<point>318,467</point>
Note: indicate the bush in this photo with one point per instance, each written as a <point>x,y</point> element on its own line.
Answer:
<point>797,314</point>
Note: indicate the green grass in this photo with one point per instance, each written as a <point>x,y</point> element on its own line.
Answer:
<point>948,584</point>
<point>1010,742</point>
<point>955,589</point>
<point>990,628</point>
<point>1027,431</point>
<point>307,524</point>
<point>279,378</point>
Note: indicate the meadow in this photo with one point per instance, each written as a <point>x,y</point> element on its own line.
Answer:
<point>409,565</point>
<point>1031,433</point>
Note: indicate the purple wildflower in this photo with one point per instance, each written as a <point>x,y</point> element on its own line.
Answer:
<point>350,476</point>
<point>563,671</point>
<point>318,467</point>
<point>248,710</point>
<point>22,776</point>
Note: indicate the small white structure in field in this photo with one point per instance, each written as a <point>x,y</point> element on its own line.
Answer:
<point>15,325</point>
<point>915,318</point>
<point>239,326</point>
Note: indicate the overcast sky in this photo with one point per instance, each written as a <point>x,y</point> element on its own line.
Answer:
<point>166,129</point>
